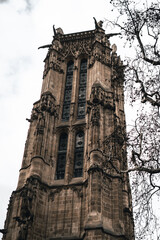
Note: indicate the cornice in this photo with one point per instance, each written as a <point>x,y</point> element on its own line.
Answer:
<point>77,35</point>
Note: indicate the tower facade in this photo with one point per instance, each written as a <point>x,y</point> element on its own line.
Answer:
<point>70,183</point>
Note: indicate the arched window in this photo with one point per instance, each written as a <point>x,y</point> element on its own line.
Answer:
<point>78,156</point>
<point>68,91</point>
<point>82,89</point>
<point>61,159</point>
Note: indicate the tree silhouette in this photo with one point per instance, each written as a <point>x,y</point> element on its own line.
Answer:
<point>139,24</point>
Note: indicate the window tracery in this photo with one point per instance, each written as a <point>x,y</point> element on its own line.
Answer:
<point>78,156</point>
<point>82,89</point>
<point>68,91</point>
<point>61,160</point>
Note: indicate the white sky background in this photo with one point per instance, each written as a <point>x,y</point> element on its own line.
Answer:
<point>24,26</point>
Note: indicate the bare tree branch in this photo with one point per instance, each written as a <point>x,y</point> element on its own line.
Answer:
<point>142,169</point>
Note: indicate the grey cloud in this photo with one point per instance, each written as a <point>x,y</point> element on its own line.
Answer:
<point>28,7</point>
<point>30,4</point>
<point>4,1</point>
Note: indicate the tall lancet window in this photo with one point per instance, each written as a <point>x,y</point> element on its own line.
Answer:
<point>78,156</point>
<point>61,160</point>
<point>82,89</point>
<point>68,91</point>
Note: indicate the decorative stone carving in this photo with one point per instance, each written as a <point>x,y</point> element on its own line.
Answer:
<point>118,67</point>
<point>52,194</point>
<point>95,115</point>
<point>100,55</point>
<point>54,59</point>
<point>114,48</point>
<point>26,212</point>
<point>101,96</point>
<point>114,144</point>
<point>93,43</point>
<point>76,48</point>
<point>41,125</point>
<point>91,61</point>
<point>59,31</point>
<point>99,25</point>
<point>78,190</point>
<point>45,104</point>
<point>26,207</point>
<point>56,67</point>
<point>33,182</point>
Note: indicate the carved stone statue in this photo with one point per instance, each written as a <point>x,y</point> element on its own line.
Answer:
<point>99,24</point>
<point>114,48</point>
<point>57,31</point>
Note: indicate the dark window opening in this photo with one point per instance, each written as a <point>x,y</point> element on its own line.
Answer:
<point>78,156</point>
<point>82,89</point>
<point>67,92</point>
<point>61,160</point>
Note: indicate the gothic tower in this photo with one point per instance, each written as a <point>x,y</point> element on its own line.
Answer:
<point>70,184</point>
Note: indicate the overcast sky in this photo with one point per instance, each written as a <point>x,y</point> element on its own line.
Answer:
<point>24,26</point>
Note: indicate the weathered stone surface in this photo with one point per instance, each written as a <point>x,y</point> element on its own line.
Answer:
<point>89,199</point>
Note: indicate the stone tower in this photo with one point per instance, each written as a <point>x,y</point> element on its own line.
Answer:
<point>70,184</point>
